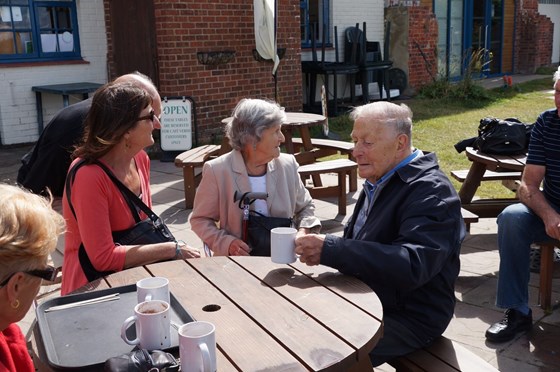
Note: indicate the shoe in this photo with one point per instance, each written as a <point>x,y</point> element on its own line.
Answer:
<point>513,323</point>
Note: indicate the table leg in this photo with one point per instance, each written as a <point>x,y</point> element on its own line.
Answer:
<point>65,100</point>
<point>39,104</point>
<point>308,146</point>
<point>472,182</point>
<point>288,143</point>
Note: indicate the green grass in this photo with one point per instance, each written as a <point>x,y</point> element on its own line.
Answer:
<point>440,123</point>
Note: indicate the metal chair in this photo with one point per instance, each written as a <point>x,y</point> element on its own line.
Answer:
<point>367,55</point>
<point>326,68</point>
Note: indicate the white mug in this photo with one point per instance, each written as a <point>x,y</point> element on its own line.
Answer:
<point>283,245</point>
<point>152,325</point>
<point>156,288</point>
<point>197,347</point>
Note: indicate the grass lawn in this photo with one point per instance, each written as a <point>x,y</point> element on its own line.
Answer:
<point>440,123</point>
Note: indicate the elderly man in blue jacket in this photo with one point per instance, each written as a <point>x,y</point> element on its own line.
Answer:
<point>404,236</point>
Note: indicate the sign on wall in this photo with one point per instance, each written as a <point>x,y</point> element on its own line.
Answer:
<point>178,123</point>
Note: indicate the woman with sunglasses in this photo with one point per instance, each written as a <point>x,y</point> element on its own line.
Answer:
<point>29,230</point>
<point>118,127</point>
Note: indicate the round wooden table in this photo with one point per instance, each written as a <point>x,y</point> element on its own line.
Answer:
<point>268,316</point>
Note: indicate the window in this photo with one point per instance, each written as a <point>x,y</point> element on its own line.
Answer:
<point>314,16</point>
<point>32,30</point>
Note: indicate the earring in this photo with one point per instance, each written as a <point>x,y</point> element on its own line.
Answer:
<point>254,146</point>
<point>15,304</point>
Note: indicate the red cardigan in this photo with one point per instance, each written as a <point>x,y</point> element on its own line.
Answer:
<point>14,356</point>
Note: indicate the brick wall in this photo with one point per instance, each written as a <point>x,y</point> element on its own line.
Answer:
<point>185,27</point>
<point>422,46</point>
<point>533,39</point>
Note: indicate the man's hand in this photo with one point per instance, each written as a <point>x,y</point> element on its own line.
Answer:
<point>309,248</point>
<point>239,248</point>
<point>552,225</point>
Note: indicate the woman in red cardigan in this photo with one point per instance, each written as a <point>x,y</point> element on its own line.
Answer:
<point>29,229</point>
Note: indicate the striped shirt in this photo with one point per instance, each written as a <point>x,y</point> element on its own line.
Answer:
<point>544,150</point>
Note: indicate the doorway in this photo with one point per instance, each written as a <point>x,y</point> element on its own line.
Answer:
<point>470,37</point>
<point>134,41</point>
<point>486,36</point>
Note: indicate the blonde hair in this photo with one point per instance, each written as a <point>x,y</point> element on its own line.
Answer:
<point>29,229</point>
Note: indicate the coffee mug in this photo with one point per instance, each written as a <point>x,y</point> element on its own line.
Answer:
<point>197,347</point>
<point>283,245</point>
<point>156,288</point>
<point>152,325</point>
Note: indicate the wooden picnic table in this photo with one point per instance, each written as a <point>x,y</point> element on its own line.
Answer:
<point>271,316</point>
<point>488,167</point>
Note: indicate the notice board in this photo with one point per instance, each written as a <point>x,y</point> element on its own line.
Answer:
<point>178,123</point>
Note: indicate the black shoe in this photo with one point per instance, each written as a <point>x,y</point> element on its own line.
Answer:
<point>512,323</point>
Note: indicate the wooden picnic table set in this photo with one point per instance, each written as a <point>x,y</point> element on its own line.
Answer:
<point>306,149</point>
<point>488,167</point>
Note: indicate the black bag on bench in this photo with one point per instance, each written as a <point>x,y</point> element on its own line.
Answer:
<point>500,137</point>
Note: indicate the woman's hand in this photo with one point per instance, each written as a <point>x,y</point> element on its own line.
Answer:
<point>239,248</point>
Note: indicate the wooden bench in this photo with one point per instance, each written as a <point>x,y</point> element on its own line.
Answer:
<point>469,218</point>
<point>444,355</point>
<point>488,208</point>
<point>546,271</point>
<point>461,175</point>
<point>327,147</point>
<point>341,167</point>
<point>190,160</point>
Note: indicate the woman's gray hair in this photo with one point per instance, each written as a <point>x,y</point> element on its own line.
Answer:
<point>398,116</point>
<point>250,118</point>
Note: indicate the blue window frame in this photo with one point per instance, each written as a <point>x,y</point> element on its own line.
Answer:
<point>32,30</point>
<point>314,15</point>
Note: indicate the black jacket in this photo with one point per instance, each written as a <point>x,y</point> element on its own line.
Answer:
<point>47,163</point>
<point>408,249</point>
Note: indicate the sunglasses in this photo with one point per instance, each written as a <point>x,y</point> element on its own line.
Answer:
<point>151,116</point>
<point>49,274</point>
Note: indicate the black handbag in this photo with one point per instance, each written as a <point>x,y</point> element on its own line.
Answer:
<point>142,361</point>
<point>258,232</point>
<point>502,137</point>
<point>149,231</point>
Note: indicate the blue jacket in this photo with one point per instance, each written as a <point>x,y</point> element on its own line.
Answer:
<point>408,249</point>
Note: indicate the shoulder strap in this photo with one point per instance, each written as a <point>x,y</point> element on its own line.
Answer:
<point>128,195</point>
<point>90,272</point>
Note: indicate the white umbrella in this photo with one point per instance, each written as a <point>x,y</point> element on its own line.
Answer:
<point>265,32</point>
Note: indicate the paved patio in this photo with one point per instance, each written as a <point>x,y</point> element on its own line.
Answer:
<point>475,289</point>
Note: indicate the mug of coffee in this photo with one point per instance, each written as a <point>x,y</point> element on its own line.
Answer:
<point>153,324</point>
<point>197,347</point>
<point>156,288</point>
<point>283,245</point>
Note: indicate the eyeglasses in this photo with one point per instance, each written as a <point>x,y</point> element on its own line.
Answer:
<point>151,116</point>
<point>49,273</point>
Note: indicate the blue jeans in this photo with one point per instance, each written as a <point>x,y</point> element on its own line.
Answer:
<point>518,227</point>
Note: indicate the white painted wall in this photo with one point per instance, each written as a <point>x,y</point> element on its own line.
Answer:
<point>552,11</point>
<point>18,113</point>
<point>344,14</point>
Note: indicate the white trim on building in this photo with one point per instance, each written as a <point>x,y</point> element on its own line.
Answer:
<point>18,114</point>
